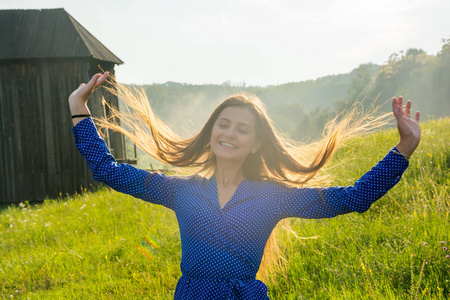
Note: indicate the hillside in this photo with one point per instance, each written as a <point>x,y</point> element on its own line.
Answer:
<point>181,103</point>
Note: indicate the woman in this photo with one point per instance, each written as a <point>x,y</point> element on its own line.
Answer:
<point>225,220</point>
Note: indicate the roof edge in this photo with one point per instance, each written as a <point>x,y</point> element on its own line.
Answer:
<point>75,24</point>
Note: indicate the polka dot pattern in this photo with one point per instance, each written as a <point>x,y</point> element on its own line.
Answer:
<point>222,247</point>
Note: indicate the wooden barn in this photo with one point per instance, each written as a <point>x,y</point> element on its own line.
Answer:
<point>45,55</point>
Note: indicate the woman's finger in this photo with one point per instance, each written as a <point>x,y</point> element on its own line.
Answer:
<point>417,116</point>
<point>396,107</point>
<point>408,109</point>
<point>400,103</point>
<point>101,79</point>
<point>91,84</point>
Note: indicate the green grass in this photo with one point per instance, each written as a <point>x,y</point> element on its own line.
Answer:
<point>84,246</point>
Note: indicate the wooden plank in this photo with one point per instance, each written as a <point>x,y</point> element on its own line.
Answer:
<point>5,134</point>
<point>16,136</point>
<point>42,167</point>
<point>58,138</point>
<point>26,142</point>
<point>39,165</point>
<point>48,125</point>
<point>65,131</point>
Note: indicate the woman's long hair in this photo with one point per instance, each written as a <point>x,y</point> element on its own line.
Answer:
<point>278,159</point>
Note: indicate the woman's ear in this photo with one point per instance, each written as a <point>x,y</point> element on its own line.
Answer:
<point>256,147</point>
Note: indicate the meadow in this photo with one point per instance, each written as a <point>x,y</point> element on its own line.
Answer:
<point>106,245</point>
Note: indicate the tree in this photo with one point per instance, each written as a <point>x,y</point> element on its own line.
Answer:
<point>359,83</point>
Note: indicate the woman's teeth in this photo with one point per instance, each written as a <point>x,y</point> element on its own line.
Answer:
<point>228,145</point>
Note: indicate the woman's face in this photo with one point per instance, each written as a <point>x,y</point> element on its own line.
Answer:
<point>233,135</point>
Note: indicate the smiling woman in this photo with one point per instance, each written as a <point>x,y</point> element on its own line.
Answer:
<point>226,220</point>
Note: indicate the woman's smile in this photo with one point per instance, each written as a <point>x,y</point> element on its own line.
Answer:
<point>228,145</point>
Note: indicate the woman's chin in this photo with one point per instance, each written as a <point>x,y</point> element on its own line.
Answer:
<point>229,157</point>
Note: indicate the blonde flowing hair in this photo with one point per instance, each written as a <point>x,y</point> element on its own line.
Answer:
<point>278,159</point>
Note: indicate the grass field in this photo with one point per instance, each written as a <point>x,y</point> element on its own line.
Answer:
<point>86,246</point>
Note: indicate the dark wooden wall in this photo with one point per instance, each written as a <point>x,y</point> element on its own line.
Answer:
<point>38,157</point>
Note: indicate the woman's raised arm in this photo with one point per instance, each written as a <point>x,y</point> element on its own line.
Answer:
<point>333,201</point>
<point>124,178</point>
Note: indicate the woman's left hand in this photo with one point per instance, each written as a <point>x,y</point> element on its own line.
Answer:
<point>408,128</point>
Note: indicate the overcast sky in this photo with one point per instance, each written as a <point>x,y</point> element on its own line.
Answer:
<point>259,42</point>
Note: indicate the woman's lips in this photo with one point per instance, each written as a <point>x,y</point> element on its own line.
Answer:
<point>229,145</point>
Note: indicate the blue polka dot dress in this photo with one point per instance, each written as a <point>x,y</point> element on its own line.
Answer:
<point>222,247</point>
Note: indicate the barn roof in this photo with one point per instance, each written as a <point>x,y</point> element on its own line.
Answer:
<point>47,33</point>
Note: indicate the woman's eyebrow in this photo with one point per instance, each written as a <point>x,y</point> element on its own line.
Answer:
<point>240,123</point>
<point>245,124</point>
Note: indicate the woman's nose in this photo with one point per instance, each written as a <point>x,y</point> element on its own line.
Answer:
<point>230,133</point>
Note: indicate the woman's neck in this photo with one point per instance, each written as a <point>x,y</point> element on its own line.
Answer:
<point>228,174</point>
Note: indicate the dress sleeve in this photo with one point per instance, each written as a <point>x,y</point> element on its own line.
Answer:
<point>316,203</point>
<point>153,187</point>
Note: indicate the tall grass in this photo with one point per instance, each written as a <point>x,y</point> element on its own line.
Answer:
<point>85,246</point>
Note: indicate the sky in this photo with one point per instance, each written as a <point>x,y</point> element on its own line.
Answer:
<point>256,42</point>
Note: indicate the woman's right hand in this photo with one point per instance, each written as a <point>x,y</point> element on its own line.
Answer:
<point>84,91</point>
<point>78,99</point>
